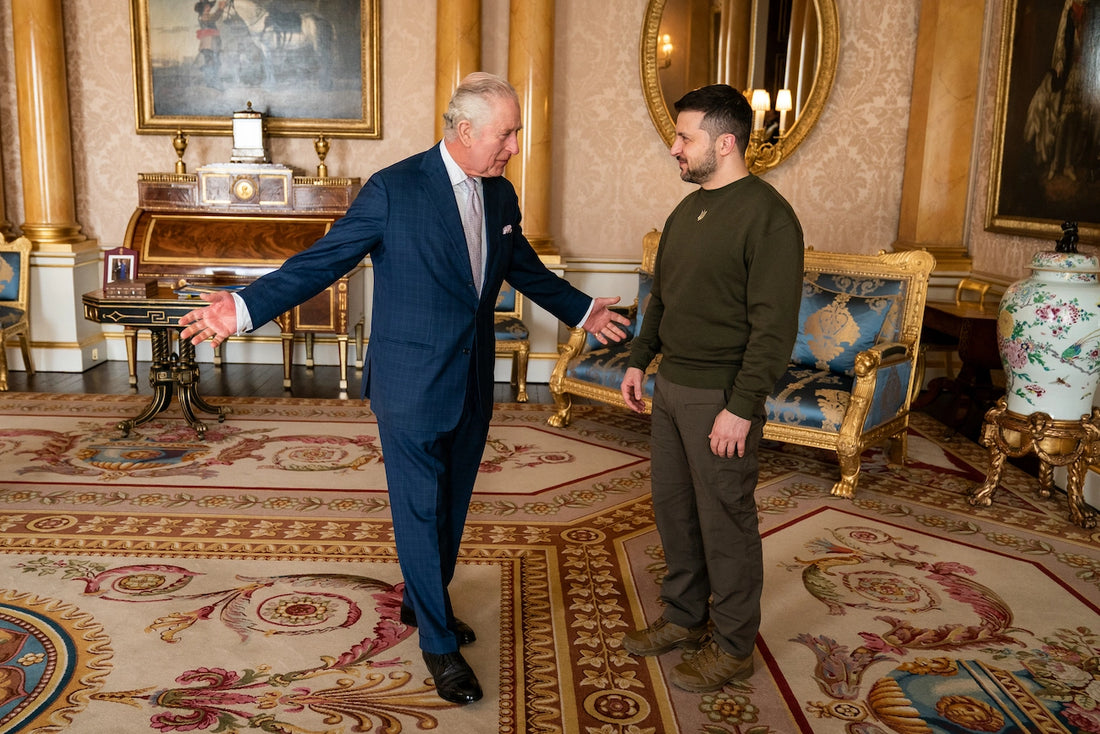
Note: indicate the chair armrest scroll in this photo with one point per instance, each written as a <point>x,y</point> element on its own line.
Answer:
<point>881,355</point>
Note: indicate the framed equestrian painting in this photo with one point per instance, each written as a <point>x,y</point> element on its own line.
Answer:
<point>308,66</point>
<point>1046,136</point>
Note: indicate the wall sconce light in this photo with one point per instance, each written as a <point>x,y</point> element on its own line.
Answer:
<point>666,52</point>
<point>783,105</point>
<point>761,103</point>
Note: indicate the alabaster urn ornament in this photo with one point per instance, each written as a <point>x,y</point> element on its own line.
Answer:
<point>1048,333</point>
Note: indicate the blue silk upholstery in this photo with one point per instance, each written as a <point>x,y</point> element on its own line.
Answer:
<point>813,398</point>
<point>645,287</point>
<point>10,316</point>
<point>605,367</point>
<point>889,396</point>
<point>510,329</point>
<point>9,287</point>
<point>506,299</point>
<point>839,317</point>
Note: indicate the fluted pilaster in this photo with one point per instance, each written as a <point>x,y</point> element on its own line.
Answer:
<point>6,231</point>
<point>531,71</point>
<point>457,50</point>
<point>946,80</point>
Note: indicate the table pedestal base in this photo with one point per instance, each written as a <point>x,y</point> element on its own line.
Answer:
<point>167,373</point>
<point>1055,442</point>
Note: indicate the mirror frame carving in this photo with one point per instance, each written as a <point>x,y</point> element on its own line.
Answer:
<point>759,155</point>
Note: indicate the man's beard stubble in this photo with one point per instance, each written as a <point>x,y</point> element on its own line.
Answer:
<point>703,170</point>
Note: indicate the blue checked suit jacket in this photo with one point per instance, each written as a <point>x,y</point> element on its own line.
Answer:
<point>427,321</point>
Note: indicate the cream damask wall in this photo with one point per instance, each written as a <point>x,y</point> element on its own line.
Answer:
<point>613,178</point>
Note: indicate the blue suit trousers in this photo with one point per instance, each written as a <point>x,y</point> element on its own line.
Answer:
<point>431,477</point>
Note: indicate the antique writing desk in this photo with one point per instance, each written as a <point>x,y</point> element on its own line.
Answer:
<point>229,224</point>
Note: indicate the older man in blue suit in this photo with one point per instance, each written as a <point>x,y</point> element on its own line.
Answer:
<point>442,229</point>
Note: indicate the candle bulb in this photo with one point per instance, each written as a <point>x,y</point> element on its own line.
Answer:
<point>783,104</point>
<point>761,102</point>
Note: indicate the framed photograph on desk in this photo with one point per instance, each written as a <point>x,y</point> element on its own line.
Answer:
<point>1045,168</point>
<point>198,61</point>
<point>119,264</point>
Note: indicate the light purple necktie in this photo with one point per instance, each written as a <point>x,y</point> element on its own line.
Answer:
<point>472,221</point>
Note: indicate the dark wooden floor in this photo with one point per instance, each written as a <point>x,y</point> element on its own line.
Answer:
<point>259,380</point>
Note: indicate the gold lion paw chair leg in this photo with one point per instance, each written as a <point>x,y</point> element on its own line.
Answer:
<point>512,336</point>
<point>15,277</point>
<point>853,371</point>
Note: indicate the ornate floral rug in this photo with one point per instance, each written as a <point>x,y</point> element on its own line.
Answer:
<point>248,583</point>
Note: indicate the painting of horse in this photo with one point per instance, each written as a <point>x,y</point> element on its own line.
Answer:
<point>308,65</point>
<point>292,45</point>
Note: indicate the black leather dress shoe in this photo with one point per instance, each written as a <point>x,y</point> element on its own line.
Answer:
<point>454,679</point>
<point>463,631</point>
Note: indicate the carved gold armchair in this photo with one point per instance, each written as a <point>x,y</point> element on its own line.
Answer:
<point>512,336</point>
<point>852,373</point>
<point>853,370</point>
<point>592,370</point>
<point>15,278</point>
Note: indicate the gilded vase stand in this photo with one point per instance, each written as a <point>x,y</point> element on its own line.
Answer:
<point>1072,444</point>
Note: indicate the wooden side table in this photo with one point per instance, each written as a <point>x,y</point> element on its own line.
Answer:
<point>1072,444</point>
<point>170,374</point>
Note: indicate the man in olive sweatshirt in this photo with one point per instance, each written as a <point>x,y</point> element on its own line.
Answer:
<point>724,316</point>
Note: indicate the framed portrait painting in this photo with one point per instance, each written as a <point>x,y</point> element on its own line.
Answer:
<point>309,66</point>
<point>1046,139</point>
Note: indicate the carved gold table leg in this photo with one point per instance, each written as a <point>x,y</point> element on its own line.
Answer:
<point>342,355</point>
<point>1055,442</point>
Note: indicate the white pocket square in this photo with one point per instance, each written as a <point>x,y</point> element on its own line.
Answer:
<point>507,229</point>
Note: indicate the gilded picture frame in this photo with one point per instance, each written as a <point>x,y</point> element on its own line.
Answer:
<point>310,67</point>
<point>1045,163</point>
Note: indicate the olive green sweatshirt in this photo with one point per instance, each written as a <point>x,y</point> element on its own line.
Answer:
<point>726,291</point>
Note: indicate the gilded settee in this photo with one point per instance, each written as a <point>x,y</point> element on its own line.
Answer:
<point>852,373</point>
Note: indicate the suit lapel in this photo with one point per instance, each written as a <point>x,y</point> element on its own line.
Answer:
<point>441,194</point>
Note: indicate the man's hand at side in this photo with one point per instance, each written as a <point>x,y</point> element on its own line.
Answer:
<point>727,436</point>
<point>632,389</point>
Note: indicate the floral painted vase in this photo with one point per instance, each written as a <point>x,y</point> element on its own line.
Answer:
<point>1048,334</point>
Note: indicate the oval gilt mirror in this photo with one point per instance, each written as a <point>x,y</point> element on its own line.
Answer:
<point>786,48</point>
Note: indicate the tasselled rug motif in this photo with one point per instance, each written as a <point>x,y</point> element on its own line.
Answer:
<point>248,582</point>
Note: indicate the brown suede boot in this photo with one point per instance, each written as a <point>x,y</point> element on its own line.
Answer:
<point>662,636</point>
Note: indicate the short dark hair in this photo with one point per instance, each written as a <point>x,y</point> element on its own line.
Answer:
<point>725,110</point>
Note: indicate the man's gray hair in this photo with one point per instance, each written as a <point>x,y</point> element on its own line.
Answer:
<point>472,101</point>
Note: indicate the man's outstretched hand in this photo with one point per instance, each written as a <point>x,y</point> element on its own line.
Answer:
<point>602,323</point>
<point>216,322</point>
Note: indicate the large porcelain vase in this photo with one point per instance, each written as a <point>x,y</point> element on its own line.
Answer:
<point>1048,334</point>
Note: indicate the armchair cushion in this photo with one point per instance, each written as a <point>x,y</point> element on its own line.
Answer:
<point>834,326</point>
<point>605,367</point>
<point>510,328</point>
<point>10,316</point>
<point>810,397</point>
